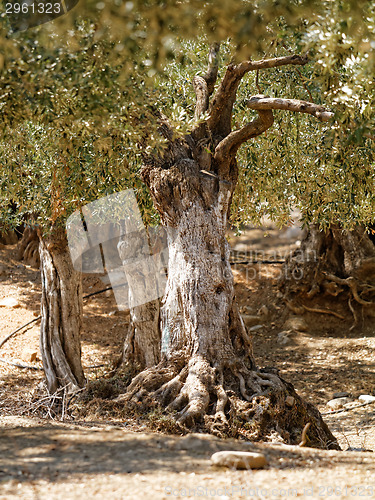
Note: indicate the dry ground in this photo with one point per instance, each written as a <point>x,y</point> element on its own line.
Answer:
<point>101,454</point>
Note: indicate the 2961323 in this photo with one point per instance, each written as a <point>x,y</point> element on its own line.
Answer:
<point>33,8</point>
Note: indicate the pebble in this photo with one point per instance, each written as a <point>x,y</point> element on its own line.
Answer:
<point>337,403</point>
<point>340,395</point>
<point>264,311</point>
<point>296,323</point>
<point>250,320</point>
<point>239,459</point>
<point>366,398</point>
<point>283,337</point>
<point>255,328</point>
<point>289,401</point>
<point>10,302</point>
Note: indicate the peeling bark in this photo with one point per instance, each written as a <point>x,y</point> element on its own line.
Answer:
<point>207,374</point>
<point>61,310</point>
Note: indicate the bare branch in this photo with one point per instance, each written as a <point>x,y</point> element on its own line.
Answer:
<point>213,67</point>
<point>204,85</point>
<point>201,94</point>
<point>246,66</point>
<point>264,106</point>
<point>230,144</point>
<point>222,102</point>
<point>261,102</point>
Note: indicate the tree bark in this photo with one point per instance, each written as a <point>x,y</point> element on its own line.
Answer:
<point>142,344</point>
<point>207,374</point>
<point>61,311</point>
<point>334,262</point>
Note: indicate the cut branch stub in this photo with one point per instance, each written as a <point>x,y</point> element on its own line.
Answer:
<point>268,103</point>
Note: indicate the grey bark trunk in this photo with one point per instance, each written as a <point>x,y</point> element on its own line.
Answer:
<point>142,344</point>
<point>344,254</point>
<point>199,315</point>
<point>61,311</point>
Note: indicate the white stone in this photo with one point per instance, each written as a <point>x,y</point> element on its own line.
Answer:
<point>366,398</point>
<point>250,320</point>
<point>10,302</point>
<point>239,459</point>
<point>337,403</point>
<point>296,323</point>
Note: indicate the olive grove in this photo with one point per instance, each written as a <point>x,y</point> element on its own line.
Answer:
<point>191,115</point>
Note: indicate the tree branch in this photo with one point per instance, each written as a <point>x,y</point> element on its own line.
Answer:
<point>246,66</point>
<point>267,103</point>
<point>264,106</point>
<point>201,94</point>
<point>223,100</point>
<point>230,144</point>
<point>204,85</point>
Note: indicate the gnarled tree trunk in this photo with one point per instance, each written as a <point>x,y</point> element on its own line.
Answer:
<point>334,262</point>
<point>61,311</point>
<point>207,373</point>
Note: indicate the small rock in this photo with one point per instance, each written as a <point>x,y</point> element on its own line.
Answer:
<point>340,395</point>
<point>296,323</point>
<point>283,337</point>
<point>34,357</point>
<point>10,302</point>
<point>250,320</point>
<point>337,403</point>
<point>255,328</point>
<point>239,459</point>
<point>366,398</point>
<point>289,401</point>
<point>264,311</point>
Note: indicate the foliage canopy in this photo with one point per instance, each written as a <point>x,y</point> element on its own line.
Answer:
<point>78,97</point>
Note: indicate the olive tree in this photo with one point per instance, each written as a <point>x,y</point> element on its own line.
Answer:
<point>85,115</point>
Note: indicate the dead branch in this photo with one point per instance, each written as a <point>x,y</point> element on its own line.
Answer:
<point>223,100</point>
<point>201,95</point>
<point>304,435</point>
<point>267,103</point>
<point>264,106</point>
<point>246,66</point>
<point>354,315</point>
<point>352,284</point>
<point>213,67</point>
<point>204,84</point>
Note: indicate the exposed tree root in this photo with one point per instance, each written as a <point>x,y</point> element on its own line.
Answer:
<point>228,399</point>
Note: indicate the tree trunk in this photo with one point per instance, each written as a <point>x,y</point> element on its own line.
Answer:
<point>333,262</point>
<point>208,373</point>
<point>61,312</point>
<point>142,270</point>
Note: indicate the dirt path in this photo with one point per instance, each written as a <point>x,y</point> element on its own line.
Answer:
<point>103,455</point>
<point>40,460</point>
